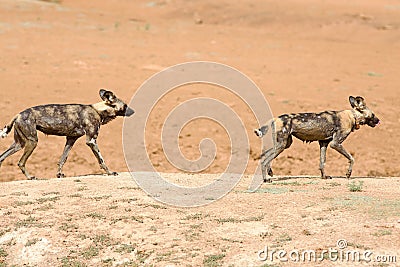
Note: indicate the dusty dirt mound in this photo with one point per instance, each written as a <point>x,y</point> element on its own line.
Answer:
<point>110,221</point>
<point>304,55</point>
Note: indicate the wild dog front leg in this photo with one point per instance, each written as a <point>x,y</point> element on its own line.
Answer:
<point>339,148</point>
<point>92,143</point>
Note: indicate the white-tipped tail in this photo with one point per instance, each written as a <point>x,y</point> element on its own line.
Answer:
<point>261,131</point>
<point>258,132</point>
<point>3,132</point>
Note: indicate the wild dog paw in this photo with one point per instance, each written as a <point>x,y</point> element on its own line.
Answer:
<point>268,180</point>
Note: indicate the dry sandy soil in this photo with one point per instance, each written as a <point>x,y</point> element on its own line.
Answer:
<point>107,221</point>
<point>304,56</point>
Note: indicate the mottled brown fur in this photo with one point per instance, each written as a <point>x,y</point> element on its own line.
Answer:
<point>70,120</point>
<point>328,127</point>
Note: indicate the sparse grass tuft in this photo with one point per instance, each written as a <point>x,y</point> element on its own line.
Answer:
<point>195,216</point>
<point>382,233</point>
<point>67,262</point>
<point>138,219</point>
<point>213,260</point>
<point>75,195</point>
<point>31,242</point>
<point>28,222</point>
<point>3,253</point>
<point>23,203</point>
<point>83,188</point>
<point>68,227</point>
<point>98,198</point>
<point>90,252</point>
<point>46,199</point>
<point>125,249</point>
<point>95,215</point>
<point>4,230</point>
<point>46,207</point>
<point>155,206</point>
<point>234,220</point>
<point>270,265</point>
<point>283,238</point>
<point>355,187</point>
<point>51,193</point>
<point>332,184</point>
<point>19,194</point>
<point>103,240</point>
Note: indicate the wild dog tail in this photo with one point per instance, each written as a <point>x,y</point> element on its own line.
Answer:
<point>261,131</point>
<point>7,129</point>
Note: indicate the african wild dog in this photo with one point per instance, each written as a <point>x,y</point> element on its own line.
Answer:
<point>70,120</point>
<point>326,127</point>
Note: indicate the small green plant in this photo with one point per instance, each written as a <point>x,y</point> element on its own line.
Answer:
<point>90,252</point>
<point>46,199</point>
<point>332,184</point>
<point>195,216</point>
<point>48,206</point>
<point>235,220</point>
<point>213,260</point>
<point>95,215</point>
<point>125,248</point>
<point>283,238</point>
<point>83,188</point>
<point>68,227</point>
<point>5,230</point>
<point>23,203</point>
<point>67,262</point>
<point>28,222</point>
<point>3,253</point>
<point>382,233</point>
<point>355,187</point>
<point>75,195</point>
<point>103,240</point>
<point>270,265</point>
<point>31,242</point>
<point>19,194</point>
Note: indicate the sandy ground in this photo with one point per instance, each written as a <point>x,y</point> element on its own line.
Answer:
<point>110,221</point>
<point>304,56</point>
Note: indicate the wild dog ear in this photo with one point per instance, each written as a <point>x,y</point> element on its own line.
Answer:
<point>357,102</point>
<point>352,101</point>
<point>107,96</point>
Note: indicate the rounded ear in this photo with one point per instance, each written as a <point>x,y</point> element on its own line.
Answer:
<point>107,95</point>
<point>352,101</point>
<point>357,102</point>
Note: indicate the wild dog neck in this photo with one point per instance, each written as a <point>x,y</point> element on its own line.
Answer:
<point>358,119</point>
<point>106,112</point>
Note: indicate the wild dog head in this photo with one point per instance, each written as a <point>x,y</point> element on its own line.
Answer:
<point>114,104</point>
<point>366,115</point>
